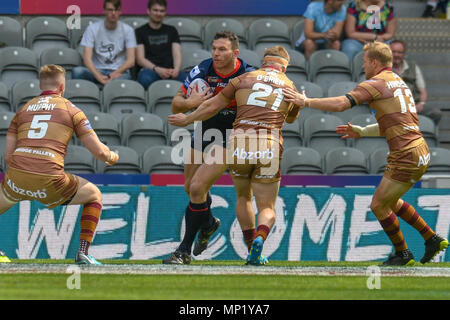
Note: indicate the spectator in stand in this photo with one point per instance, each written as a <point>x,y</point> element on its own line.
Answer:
<point>159,47</point>
<point>433,6</point>
<point>324,22</point>
<point>412,75</point>
<point>109,48</point>
<point>358,28</point>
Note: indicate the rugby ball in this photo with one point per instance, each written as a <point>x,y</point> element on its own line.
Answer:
<point>199,85</point>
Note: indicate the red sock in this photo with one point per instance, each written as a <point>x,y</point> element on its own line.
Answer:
<point>392,229</point>
<point>410,215</point>
<point>249,236</point>
<point>262,231</point>
<point>89,220</point>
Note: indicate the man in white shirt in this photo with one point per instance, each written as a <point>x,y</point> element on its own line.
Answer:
<point>109,48</point>
<point>413,77</point>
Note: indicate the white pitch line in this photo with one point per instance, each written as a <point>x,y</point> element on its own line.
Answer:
<point>135,269</point>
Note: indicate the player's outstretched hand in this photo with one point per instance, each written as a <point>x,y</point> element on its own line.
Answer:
<point>178,119</point>
<point>347,131</point>
<point>113,158</point>
<point>297,98</point>
<point>196,98</point>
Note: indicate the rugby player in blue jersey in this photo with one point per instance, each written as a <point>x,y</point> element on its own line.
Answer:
<point>200,176</point>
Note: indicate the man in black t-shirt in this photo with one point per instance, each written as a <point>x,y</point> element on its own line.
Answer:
<point>159,48</point>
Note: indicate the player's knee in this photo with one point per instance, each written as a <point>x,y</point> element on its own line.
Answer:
<point>96,194</point>
<point>197,189</point>
<point>377,206</point>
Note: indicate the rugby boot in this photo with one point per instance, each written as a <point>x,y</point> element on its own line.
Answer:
<point>82,258</point>
<point>255,257</point>
<point>203,237</point>
<point>4,258</point>
<point>401,258</point>
<point>433,246</point>
<point>178,257</point>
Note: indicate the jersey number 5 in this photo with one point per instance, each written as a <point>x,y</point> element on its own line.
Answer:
<point>38,127</point>
<point>399,94</point>
<point>267,91</point>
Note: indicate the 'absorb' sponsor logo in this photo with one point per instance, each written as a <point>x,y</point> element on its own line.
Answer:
<point>38,194</point>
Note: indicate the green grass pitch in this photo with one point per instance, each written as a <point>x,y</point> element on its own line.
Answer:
<point>180,286</point>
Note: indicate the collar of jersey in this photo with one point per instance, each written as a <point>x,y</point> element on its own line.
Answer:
<point>48,93</point>
<point>384,69</point>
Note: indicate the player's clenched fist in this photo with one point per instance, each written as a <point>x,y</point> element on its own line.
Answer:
<point>113,158</point>
<point>178,119</point>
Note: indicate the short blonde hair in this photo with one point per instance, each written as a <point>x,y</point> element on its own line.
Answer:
<point>277,52</point>
<point>379,51</point>
<point>51,71</point>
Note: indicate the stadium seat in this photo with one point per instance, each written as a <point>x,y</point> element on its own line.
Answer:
<point>297,31</point>
<point>319,132</point>
<point>349,114</point>
<point>251,57</point>
<point>439,161</point>
<point>268,32</point>
<point>143,130</point>
<point>11,32</point>
<point>341,88</point>
<point>346,161</point>
<point>5,104</point>
<point>84,94</point>
<point>192,57</point>
<point>176,135</point>
<point>292,134</point>
<point>312,90</point>
<point>215,25</point>
<point>23,91</point>
<point>378,160</point>
<point>296,71</point>
<point>123,97</point>
<point>358,74</point>
<point>5,121</point>
<point>135,22</point>
<point>106,126</point>
<point>160,95</point>
<point>190,32</point>
<point>158,159</point>
<point>429,131</point>
<point>128,163</point>
<point>326,67</point>
<point>77,34</point>
<point>17,63</point>
<point>67,58</point>
<point>301,161</point>
<point>305,113</point>
<point>79,160</point>
<point>366,144</point>
<point>46,32</point>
